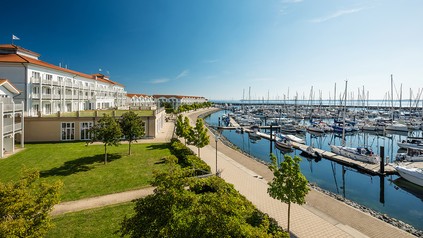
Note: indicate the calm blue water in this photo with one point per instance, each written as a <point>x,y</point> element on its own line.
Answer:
<point>390,195</point>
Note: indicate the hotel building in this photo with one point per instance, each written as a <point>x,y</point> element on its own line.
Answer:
<point>47,88</point>
<point>141,101</point>
<point>177,100</point>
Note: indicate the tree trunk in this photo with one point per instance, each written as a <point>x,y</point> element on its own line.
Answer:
<point>129,147</point>
<point>289,214</point>
<point>105,153</point>
<point>198,151</point>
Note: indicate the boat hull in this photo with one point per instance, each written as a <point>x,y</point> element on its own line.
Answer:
<point>348,152</point>
<point>411,174</point>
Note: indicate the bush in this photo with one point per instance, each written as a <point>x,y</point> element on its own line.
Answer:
<point>187,158</point>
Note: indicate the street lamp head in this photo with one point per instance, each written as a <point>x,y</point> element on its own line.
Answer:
<point>216,137</point>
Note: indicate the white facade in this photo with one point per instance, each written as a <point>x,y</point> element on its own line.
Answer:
<point>142,101</point>
<point>50,89</point>
<point>177,100</point>
<point>12,118</point>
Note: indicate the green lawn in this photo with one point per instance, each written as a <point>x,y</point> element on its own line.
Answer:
<point>81,167</point>
<point>100,222</point>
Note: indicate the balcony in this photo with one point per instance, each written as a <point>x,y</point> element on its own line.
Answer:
<point>9,128</point>
<point>35,80</point>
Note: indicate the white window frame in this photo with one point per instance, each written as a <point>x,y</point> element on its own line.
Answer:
<point>83,129</point>
<point>67,133</point>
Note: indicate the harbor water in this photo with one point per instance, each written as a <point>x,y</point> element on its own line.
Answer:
<point>390,195</point>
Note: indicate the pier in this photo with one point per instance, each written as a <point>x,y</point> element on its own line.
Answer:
<point>372,169</point>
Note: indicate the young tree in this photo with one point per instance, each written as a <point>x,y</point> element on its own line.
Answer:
<point>186,130</point>
<point>179,126</point>
<point>132,127</point>
<point>199,136</point>
<point>108,131</point>
<point>25,206</point>
<point>289,185</point>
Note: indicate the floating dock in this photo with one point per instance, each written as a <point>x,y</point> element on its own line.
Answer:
<point>373,169</point>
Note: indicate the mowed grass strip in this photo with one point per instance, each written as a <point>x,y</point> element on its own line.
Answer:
<point>99,222</point>
<point>81,167</point>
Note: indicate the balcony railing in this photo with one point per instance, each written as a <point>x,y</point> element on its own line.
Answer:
<point>9,128</point>
<point>9,107</point>
<point>35,80</point>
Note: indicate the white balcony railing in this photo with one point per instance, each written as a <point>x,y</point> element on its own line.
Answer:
<point>35,80</point>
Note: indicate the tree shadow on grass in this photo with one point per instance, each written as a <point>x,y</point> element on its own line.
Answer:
<point>158,146</point>
<point>83,164</point>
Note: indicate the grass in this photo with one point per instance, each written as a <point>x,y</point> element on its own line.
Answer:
<point>81,167</point>
<point>99,222</point>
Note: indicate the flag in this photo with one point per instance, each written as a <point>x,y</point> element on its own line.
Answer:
<point>15,37</point>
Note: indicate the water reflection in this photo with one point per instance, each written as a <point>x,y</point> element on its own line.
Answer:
<point>383,194</point>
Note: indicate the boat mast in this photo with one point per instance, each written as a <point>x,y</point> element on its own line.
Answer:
<point>392,97</point>
<point>345,111</point>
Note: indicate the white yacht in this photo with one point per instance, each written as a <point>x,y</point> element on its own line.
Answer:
<point>358,153</point>
<point>414,175</point>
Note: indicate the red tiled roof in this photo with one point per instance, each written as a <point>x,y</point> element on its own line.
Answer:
<point>130,95</point>
<point>175,96</point>
<point>16,58</point>
<point>10,46</point>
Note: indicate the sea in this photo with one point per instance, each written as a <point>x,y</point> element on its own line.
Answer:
<point>390,195</point>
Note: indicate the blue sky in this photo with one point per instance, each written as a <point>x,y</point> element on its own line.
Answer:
<point>218,48</point>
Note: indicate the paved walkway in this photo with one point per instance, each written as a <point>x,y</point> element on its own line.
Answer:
<point>101,201</point>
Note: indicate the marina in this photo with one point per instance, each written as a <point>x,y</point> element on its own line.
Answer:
<point>361,182</point>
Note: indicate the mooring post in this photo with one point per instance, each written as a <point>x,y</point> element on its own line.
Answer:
<point>271,132</point>
<point>382,160</point>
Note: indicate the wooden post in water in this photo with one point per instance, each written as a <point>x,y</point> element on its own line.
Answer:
<point>271,131</point>
<point>382,160</point>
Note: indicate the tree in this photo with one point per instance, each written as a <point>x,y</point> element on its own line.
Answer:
<point>132,127</point>
<point>108,131</point>
<point>288,185</point>
<point>183,206</point>
<point>179,126</point>
<point>199,136</point>
<point>186,133</point>
<point>25,206</point>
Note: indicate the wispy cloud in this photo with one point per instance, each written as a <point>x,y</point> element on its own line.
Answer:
<point>211,61</point>
<point>336,14</point>
<point>292,1</point>
<point>184,73</point>
<point>158,81</point>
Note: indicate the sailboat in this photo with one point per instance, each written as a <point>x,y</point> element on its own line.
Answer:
<point>359,153</point>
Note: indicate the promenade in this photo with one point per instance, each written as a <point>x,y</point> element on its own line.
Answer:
<point>322,216</point>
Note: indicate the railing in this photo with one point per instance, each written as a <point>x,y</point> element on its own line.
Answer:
<point>7,129</point>
<point>46,81</point>
<point>35,80</point>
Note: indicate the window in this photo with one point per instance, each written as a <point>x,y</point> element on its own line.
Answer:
<point>85,126</point>
<point>68,131</point>
<point>36,75</point>
<point>35,90</point>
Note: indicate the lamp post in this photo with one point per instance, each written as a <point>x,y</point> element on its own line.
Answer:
<point>216,139</point>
